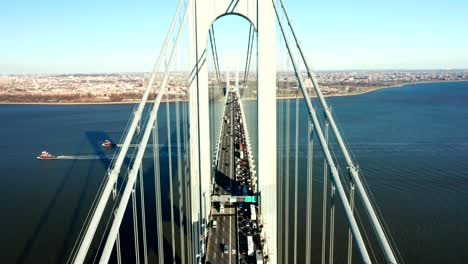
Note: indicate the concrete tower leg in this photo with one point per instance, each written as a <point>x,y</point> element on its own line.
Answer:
<point>267,123</point>
<point>261,15</point>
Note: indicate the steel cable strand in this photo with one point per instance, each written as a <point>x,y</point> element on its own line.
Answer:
<point>216,53</point>
<point>213,50</point>
<point>180,183</point>
<point>169,146</point>
<point>115,226</point>
<point>111,214</point>
<point>87,219</point>
<point>341,192</point>
<point>296,175</point>
<point>280,175</point>
<point>309,201</point>
<point>92,209</point>
<point>286,211</point>
<point>324,201</point>
<point>369,191</point>
<point>156,161</point>
<point>383,240</point>
<point>360,222</point>
<point>247,57</point>
<point>97,197</point>
<point>381,218</point>
<point>347,186</point>
<point>79,257</point>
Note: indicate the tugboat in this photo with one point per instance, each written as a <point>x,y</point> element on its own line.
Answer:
<point>107,144</point>
<point>46,155</point>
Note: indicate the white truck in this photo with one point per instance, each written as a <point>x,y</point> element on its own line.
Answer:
<point>253,213</point>
<point>259,256</point>
<point>250,245</point>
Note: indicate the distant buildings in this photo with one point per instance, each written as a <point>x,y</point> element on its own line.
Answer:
<point>124,87</point>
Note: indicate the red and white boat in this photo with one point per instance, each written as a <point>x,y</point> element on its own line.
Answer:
<point>107,143</point>
<point>46,155</point>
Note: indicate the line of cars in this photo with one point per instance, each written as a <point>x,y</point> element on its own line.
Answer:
<point>249,233</point>
<point>247,220</point>
<point>224,181</point>
<point>248,229</point>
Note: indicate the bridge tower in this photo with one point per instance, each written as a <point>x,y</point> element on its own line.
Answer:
<point>202,14</point>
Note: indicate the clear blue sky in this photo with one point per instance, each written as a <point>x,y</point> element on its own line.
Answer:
<point>125,36</point>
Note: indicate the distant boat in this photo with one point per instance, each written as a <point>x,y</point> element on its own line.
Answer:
<point>107,144</point>
<point>46,155</point>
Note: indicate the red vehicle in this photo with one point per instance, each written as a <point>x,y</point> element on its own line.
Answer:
<point>46,155</point>
<point>108,144</point>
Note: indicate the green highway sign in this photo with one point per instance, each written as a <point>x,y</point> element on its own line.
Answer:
<point>250,199</point>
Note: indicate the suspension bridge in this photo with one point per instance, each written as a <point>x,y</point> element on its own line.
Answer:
<point>243,166</point>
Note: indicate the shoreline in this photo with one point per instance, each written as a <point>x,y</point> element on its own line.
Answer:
<point>184,100</point>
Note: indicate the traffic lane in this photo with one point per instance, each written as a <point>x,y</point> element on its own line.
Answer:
<point>232,161</point>
<point>224,163</point>
<point>224,182</point>
<point>224,234</point>
<point>214,251</point>
<point>226,176</point>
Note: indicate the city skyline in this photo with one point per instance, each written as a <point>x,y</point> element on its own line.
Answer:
<point>54,37</point>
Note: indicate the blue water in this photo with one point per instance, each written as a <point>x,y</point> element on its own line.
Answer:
<point>411,144</point>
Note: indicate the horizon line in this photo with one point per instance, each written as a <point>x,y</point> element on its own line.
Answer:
<point>316,71</point>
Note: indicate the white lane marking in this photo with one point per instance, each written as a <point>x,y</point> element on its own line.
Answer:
<point>230,222</point>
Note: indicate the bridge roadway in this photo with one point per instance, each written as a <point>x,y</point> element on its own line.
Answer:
<point>226,231</point>
<point>232,177</point>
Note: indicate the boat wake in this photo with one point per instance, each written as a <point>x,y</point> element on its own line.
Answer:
<point>98,157</point>
<point>134,145</point>
<point>82,157</point>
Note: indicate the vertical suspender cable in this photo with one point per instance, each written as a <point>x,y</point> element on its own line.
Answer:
<point>382,238</point>
<point>310,173</point>
<point>135,227</point>
<point>325,198</point>
<point>180,183</point>
<point>216,54</point>
<point>250,55</point>
<point>280,177</point>
<point>171,191</point>
<point>332,203</point>
<point>247,58</point>
<point>139,156</point>
<point>117,239</point>
<point>157,191</point>
<point>350,235</point>
<point>281,245</point>
<point>135,211</point>
<point>187,186</point>
<point>296,176</point>
<point>286,199</point>
<point>213,52</point>
<point>198,231</point>
<point>143,216</point>
<point>326,151</point>
<point>112,176</point>
<point>332,222</point>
